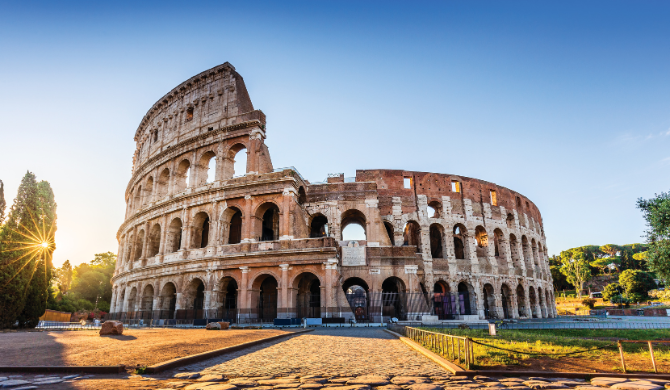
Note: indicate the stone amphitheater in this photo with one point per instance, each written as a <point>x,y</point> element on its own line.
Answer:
<point>213,230</point>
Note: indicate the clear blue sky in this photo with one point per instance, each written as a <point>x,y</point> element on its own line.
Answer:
<point>565,102</point>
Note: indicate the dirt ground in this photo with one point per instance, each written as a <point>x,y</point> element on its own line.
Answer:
<point>142,347</point>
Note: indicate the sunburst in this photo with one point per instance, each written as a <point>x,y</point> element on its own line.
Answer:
<point>36,242</point>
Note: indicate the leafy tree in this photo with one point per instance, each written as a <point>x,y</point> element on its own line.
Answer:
<point>636,283</point>
<point>576,268</point>
<point>611,290</point>
<point>603,263</point>
<point>38,289</point>
<point>657,214</point>
<point>91,281</point>
<point>63,277</point>
<point>3,204</point>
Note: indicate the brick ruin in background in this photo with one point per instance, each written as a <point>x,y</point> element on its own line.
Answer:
<point>200,240</point>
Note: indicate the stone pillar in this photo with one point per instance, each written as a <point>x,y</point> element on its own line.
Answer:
<point>498,309</point>
<point>145,244</point>
<point>247,225</point>
<point>331,269</point>
<point>178,301</point>
<point>514,305</point>
<point>283,306</point>
<point>164,233</point>
<point>285,215</point>
<point>244,309</point>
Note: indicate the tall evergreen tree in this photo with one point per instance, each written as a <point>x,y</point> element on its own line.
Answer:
<point>38,290</point>
<point>3,204</point>
<point>21,247</point>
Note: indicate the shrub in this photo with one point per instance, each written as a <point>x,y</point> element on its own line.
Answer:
<point>589,302</point>
<point>636,282</point>
<point>610,291</point>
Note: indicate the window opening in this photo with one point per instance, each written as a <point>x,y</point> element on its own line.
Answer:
<point>494,198</point>
<point>431,212</point>
<point>189,114</point>
<point>455,186</point>
<point>211,170</point>
<point>240,163</point>
<point>235,235</point>
<point>407,182</point>
<point>319,227</point>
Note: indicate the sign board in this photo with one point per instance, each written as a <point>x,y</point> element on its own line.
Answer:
<point>353,255</point>
<point>375,271</point>
<point>492,329</point>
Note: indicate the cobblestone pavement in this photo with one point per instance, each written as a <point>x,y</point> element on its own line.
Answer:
<point>326,351</point>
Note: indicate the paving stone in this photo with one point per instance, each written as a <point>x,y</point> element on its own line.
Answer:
<point>459,378</point>
<point>657,381</point>
<point>572,383</point>
<point>211,378</point>
<point>354,387</point>
<point>340,380</point>
<point>425,386</point>
<point>13,383</point>
<point>545,386</point>
<point>506,380</point>
<point>241,382</point>
<point>439,378</point>
<point>47,381</point>
<point>607,382</point>
<point>275,382</point>
<point>409,380</point>
<point>70,377</point>
<point>492,384</point>
<point>588,388</point>
<point>481,378</point>
<point>187,375</point>
<point>210,386</point>
<point>388,387</point>
<point>293,385</point>
<point>311,386</point>
<point>370,380</point>
<point>178,385</point>
<point>636,386</point>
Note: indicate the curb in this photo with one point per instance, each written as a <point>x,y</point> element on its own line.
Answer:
<point>210,354</point>
<point>444,363</point>
<point>67,369</point>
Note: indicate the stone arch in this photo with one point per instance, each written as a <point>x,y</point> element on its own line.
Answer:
<point>139,245</point>
<point>541,301</point>
<point>533,246</point>
<point>388,226</point>
<point>521,303</point>
<point>488,296</point>
<point>193,297</point>
<point>482,238</point>
<point>527,254</point>
<point>302,196</point>
<point>232,155</point>
<point>137,200</point>
<point>168,300</point>
<point>121,299</point>
<point>501,250</point>
<point>356,291</point>
<point>132,300</point>
<point>506,298</point>
<point>207,168</point>
<point>147,304</point>
<point>533,303</point>
<point>444,304</point>
<point>232,225</point>
<point>510,221</point>
<point>148,189</point>
<point>200,230</point>
<point>412,235</point>
<point>228,298</point>
<point>182,175</point>
<point>267,221</point>
<point>306,295</point>
<point>318,226</point>
<point>264,296</point>
<point>394,299</point>
<point>353,217</point>
<point>467,298</point>
<point>461,250</point>
<point>154,240</point>
<point>437,241</point>
<point>174,236</point>
<point>514,253</point>
<point>163,183</point>
<point>434,209</point>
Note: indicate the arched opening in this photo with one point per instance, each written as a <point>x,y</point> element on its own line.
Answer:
<point>233,217</point>
<point>208,167</point>
<point>194,300</point>
<point>265,296</point>
<point>139,245</point>
<point>137,202</point>
<point>521,301</point>
<point>201,230</point>
<point>168,299</point>
<point>506,301</point>
<point>394,301</point>
<point>268,214</point>
<point>228,291</point>
<point>489,302</point>
<point>532,300</point>
<point>319,226</point>
<point>412,235</point>
<point>436,235</point>
<point>510,221</point>
<point>308,296</point>
<point>533,247</point>
<point>174,236</point>
<point>182,176</point>
<point>514,253</point>
<point>148,188</point>
<point>132,298</point>
<point>527,254</point>
<point>550,305</point>
<point>147,305</point>
<point>302,196</point>
<point>482,241</point>
<point>162,184</point>
<point>356,292</point>
<point>444,306</point>
<point>189,114</point>
<point>466,298</point>
<point>501,250</point>
<point>154,241</point>
<point>120,301</point>
<point>237,156</point>
<point>353,225</point>
<point>389,232</point>
<point>434,209</point>
<point>459,241</point>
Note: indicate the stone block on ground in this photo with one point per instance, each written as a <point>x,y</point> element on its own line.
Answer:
<point>389,387</point>
<point>370,380</point>
<point>637,386</point>
<point>177,385</point>
<point>425,386</point>
<point>211,378</point>
<point>353,387</point>
<point>210,386</point>
<point>275,382</point>
<point>224,325</point>
<point>241,382</point>
<point>111,328</point>
<point>409,380</point>
<point>187,375</point>
<point>213,326</point>
<point>607,381</point>
<point>13,383</point>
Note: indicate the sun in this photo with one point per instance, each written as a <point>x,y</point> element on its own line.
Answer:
<point>45,244</point>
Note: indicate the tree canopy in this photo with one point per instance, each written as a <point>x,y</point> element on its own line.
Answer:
<point>576,269</point>
<point>89,282</point>
<point>656,212</point>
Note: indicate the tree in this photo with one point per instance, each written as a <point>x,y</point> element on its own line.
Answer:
<point>21,250</point>
<point>610,249</point>
<point>38,289</point>
<point>657,214</point>
<point>611,290</point>
<point>636,283</point>
<point>93,280</point>
<point>576,269</point>
<point>63,276</point>
<point>3,204</point>
<point>603,263</point>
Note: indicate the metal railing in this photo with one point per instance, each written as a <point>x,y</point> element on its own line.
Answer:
<point>457,349</point>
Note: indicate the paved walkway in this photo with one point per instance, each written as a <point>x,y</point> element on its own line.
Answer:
<point>326,351</point>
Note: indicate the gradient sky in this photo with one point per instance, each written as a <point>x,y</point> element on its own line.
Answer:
<point>565,102</point>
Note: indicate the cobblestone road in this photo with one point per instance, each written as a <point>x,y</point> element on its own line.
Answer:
<point>326,351</point>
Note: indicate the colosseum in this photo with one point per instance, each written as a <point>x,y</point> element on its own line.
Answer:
<point>214,231</point>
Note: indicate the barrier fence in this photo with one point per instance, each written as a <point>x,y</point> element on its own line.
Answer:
<point>457,349</point>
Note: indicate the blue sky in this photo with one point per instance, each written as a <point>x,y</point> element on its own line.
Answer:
<point>565,102</point>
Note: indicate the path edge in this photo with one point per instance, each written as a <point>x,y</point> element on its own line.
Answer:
<point>442,362</point>
<point>166,365</point>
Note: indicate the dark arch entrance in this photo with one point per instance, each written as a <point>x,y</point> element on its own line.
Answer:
<point>308,297</point>
<point>267,299</point>
<point>357,294</point>
<point>228,300</point>
<point>444,306</point>
<point>394,299</point>
<point>464,299</point>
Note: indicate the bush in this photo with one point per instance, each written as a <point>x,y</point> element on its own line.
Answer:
<point>589,302</point>
<point>610,291</point>
<point>636,282</point>
<point>103,306</point>
<point>83,304</point>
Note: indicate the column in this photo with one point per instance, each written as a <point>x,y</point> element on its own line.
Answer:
<point>145,245</point>
<point>244,308</point>
<point>247,225</point>
<point>285,215</point>
<point>178,303</point>
<point>514,307</point>
<point>498,310</point>
<point>331,269</point>
<point>283,292</point>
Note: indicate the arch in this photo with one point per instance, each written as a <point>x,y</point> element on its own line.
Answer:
<point>174,236</point>
<point>459,236</point>
<point>436,238</point>
<point>536,258</point>
<point>521,301</point>
<point>527,253</point>
<point>147,298</point>
<point>137,202</point>
<point>489,301</point>
<point>482,238</point>
<point>356,218</point>
<point>352,284</point>
<point>319,226</point>
<point>550,303</point>
<point>139,245</point>
<point>132,298</point>
<point>154,241</point>
<point>532,301</point>
<point>357,293</point>
<point>514,252</point>
<point>434,209</point>
<point>232,218</point>
<point>267,226</point>
<point>163,183</point>
<point>394,300</point>
<point>302,196</point>
<point>200,230</point>
<point>207,167</point>
<point>389,231</point>
<point>228,299</point>
<point>506,298</point>
<point>501,249</point>
<point>510,221</point>
<point>543,305</point>
<point>121,299</point>
<point>264,297</point>
<point>182,176</point>
<point>412,235</point>
<point>148,189</point>
<point>306,295</point>
<point>467,298</point>
<point>236,161</point>
<point>194,298</point>
<point>444,304</point>
<point>168,300</point>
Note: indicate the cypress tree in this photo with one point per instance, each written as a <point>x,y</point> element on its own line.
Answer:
<point>37,293</point>
<point>30,218</point>
<point>3,204</point>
